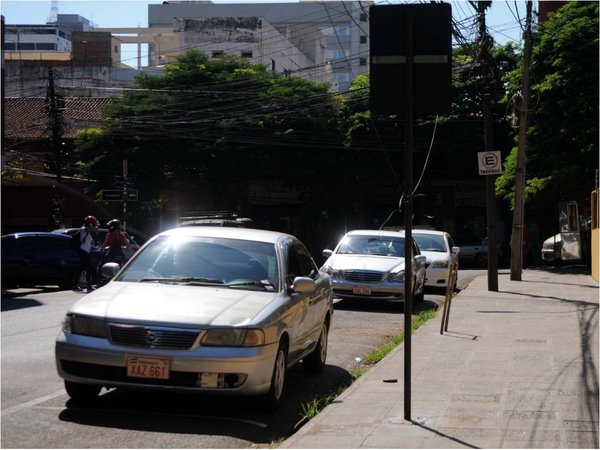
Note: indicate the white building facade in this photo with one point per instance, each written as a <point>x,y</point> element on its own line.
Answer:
<point>322,41</point>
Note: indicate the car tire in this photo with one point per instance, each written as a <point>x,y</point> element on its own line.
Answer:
<point>82,392</point>
<point>272,399</point>
<point>315,361</point>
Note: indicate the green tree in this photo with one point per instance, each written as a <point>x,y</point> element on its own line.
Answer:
<point>208,123</point>
<point>562,152</point>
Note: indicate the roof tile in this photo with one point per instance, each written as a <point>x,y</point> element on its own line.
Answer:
<point>26,117</point>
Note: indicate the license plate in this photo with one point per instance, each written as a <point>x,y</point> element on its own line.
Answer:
<point>148,367</point>
<point>360,290</point>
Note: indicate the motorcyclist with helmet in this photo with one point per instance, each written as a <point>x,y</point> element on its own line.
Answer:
<point>115,241</point>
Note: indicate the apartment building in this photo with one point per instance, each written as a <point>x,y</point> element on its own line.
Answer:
<point>321,41</point>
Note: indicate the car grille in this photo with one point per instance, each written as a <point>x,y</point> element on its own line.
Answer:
<point>369,276</point>
<point>152,337</point>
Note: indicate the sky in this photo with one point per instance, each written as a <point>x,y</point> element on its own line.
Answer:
<point>502,19</point>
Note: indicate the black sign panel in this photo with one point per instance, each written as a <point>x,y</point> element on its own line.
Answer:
<point>117,195</point>
<point>432,50</point>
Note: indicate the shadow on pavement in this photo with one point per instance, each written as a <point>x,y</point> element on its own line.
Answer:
<point>236,417</point>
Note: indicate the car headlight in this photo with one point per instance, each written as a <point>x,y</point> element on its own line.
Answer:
<point>233,337</point>
<point>398,277</point>
<point>331,271</point>
<point>85,326</point>
<point>439,264</point>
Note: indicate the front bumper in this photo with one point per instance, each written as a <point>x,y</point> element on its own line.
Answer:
<point>368,291</point>
<point>436,277</point>
<point>222,370</point>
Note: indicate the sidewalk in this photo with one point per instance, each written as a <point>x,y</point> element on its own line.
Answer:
<point>518,368</point>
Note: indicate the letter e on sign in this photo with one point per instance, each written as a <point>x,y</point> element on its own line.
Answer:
<point>489,163</point>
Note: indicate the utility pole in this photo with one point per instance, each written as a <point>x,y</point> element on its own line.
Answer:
<point>54,108</point>
<point>488,121</point>
<point>516,240</point>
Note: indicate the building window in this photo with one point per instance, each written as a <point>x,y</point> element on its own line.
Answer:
<point>44,46</point>
<point>217,53</point>
<point>247,54</point>
<point>363,39</point>
<point>342,31</point>
<point>363,17</point>
<point>116,49</point>
<point>10,46</point>
<point>339,54</point>
<point>25,46</point>
<point>363,61</point>
<point>341,76</point>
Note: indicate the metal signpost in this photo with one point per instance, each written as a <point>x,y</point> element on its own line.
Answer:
<point>124,194</point>
<point>410,74</point>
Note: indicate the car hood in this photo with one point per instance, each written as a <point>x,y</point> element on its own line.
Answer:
<point>174,304</point>
<point>365,262</point>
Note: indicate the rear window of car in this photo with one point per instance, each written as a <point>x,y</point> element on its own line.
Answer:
<point>52,244</point>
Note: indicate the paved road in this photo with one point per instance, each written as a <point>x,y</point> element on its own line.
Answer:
<point>36,412</point>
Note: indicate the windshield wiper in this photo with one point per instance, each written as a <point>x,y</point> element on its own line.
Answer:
<point>263,284</point>
<point>183,280</point>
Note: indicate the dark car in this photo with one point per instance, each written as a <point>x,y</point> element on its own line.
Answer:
<point>102,232</point>
<point>473,250</point>
<point>38,259</point>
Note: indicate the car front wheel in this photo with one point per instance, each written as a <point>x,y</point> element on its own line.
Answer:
<point>272,399</point>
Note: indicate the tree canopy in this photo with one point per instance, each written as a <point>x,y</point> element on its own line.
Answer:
<point>562,150</point>
<point>207,122</point>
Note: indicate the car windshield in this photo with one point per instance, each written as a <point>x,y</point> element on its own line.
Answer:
<point>372,245</point>
<point>232,263</point>
<point>431,242</point>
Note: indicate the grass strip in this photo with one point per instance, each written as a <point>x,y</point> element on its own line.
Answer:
<point>312,408</point>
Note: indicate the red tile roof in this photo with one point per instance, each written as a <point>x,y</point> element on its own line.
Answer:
<point>26,117</point>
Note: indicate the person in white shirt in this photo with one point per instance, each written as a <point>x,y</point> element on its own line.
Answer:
<point>87,238</point>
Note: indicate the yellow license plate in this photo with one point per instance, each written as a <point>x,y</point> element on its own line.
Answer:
<point>148,367</point>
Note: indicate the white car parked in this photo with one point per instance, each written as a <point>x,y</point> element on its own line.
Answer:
<point>369,265</point>
<point>441,253</point>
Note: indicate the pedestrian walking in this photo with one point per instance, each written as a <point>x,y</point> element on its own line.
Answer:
<point>87,240</point>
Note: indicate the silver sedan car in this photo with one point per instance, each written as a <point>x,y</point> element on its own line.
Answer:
<point>369,265</point>
<point>200,309</point>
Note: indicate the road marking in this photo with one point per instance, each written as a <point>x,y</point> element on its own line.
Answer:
<point>33,402</point>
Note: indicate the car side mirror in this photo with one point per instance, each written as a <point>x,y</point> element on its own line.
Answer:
<point>456,250</point>
<point>421,259</point>
<point>327,253</point>
<point>303,286</point>
<point>109,270</point>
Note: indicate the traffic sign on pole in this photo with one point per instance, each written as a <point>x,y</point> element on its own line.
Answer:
<point>116,195</point>
<point>489,163</point>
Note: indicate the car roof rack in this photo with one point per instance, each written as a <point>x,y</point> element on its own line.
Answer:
<point>213,218</point>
